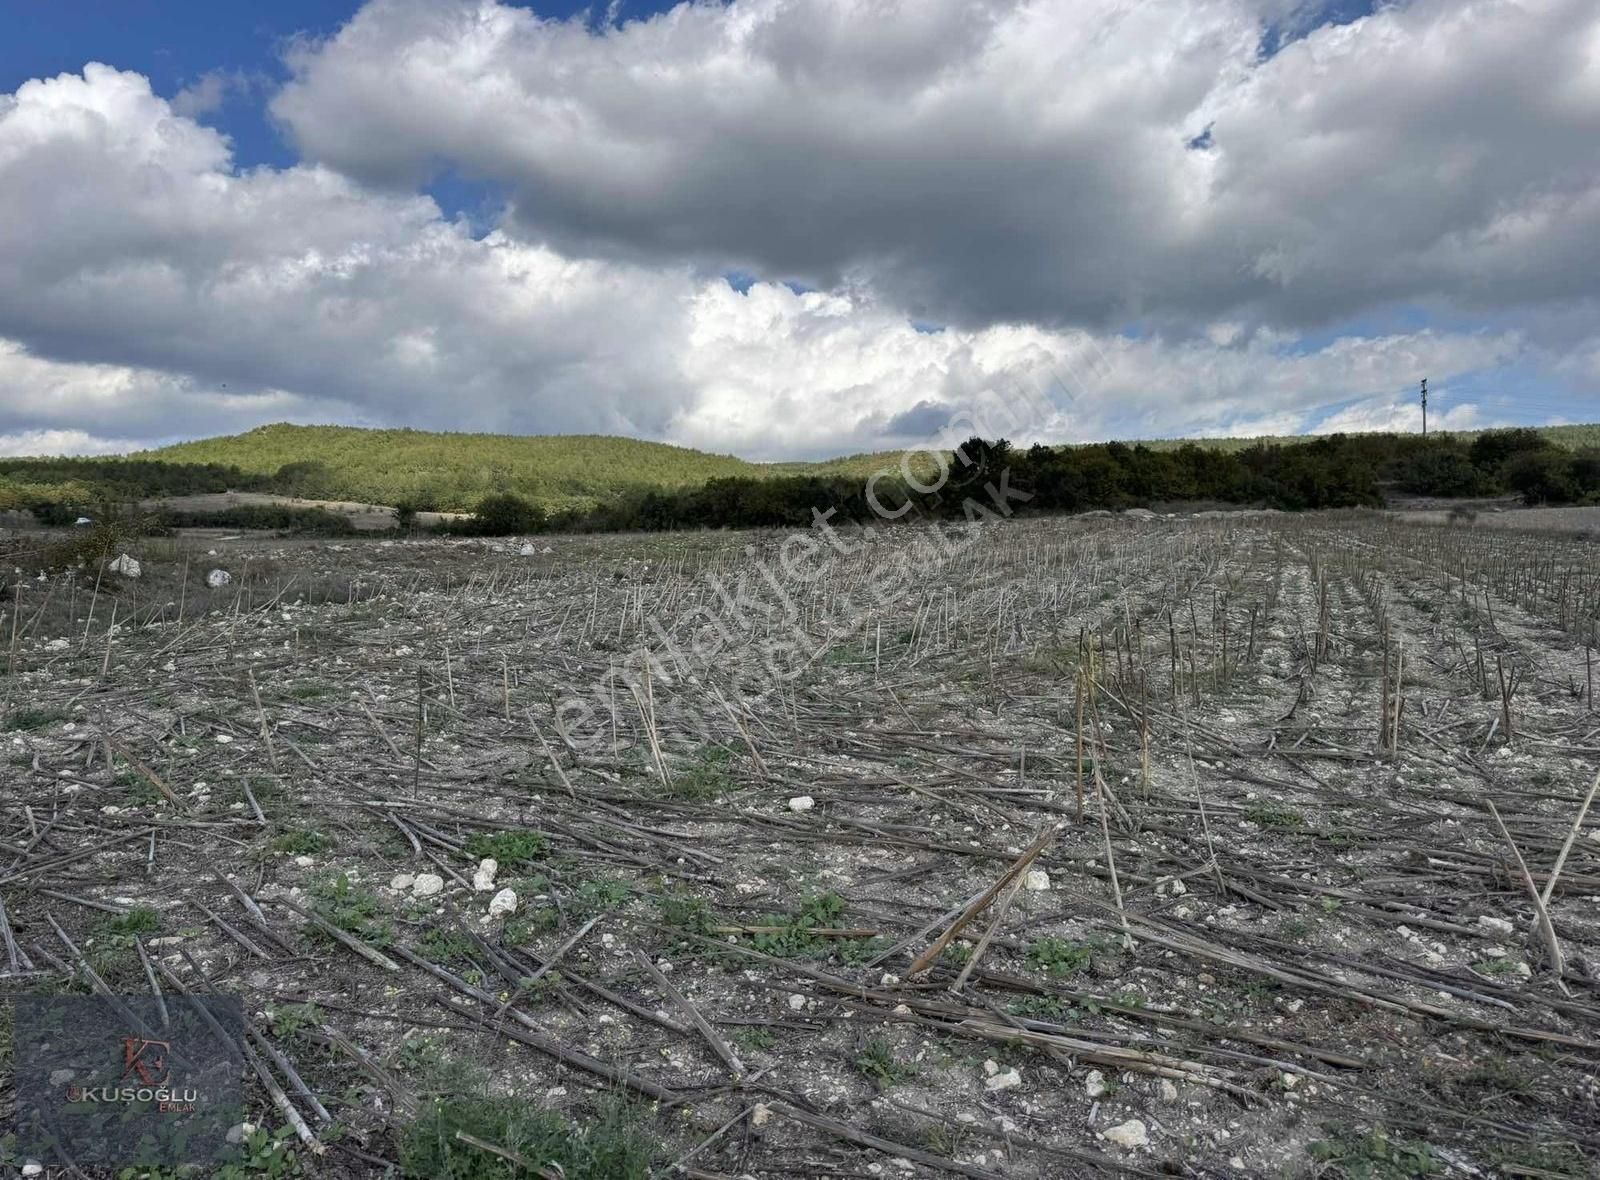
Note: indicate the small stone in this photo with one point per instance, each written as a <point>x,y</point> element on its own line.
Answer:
<point>802,803</point>
<point>1129,1134</point>
<point>239,1132</point>
<point>1206,977</point>
<point>1179,887</point>
<point>305,862</point>
<point>33,1168</point>
<point>1499,925</point>
<point>1037,881</point>
<point>217,579</point>
<point>991,1067</point>
<point>1169,1092</point>
<point>760,1115</point>
<point>1008,1080</point>
<point>427,884</point>
<point>502,903</point>
<point>400,882</point>
<point>1095,1084</point>
<point>60,1077</point>
<point>483,879</point>
<point>127,566</point>
<point>797,1002</point>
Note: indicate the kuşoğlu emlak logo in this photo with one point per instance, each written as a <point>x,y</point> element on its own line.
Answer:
<point>123,1080</point>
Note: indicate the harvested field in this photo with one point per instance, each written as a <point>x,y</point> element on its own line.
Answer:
<point>1070,847</point>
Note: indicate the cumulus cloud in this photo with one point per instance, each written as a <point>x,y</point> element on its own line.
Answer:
<point>152,289</point>
<point>1009,160</point>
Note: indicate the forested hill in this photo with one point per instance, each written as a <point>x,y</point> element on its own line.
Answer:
<point>451,470</point>
<point>622,482</point>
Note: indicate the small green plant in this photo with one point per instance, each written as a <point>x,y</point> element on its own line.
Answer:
<point>1270,815</point>
<point>291,1018</point>
<point>1297,928</point>
<point>109,949</point>
<point>755,1038</point>
<point>598,894</point>
<point>1060,956</point>
<point>443,944</point>
<point>301,842</point>
<point>311,690</point>
<point>1041,1007</point>
<point>789,936</point>
<point>353,909</point>
<point>27,719</point>
<point>686,912</point>
<point>878,1062</point>
<point>1374,1156</point>
<point>706,777</point>
<point>508,849</point>
<point>270,1155</point>
<point>613,1144</point>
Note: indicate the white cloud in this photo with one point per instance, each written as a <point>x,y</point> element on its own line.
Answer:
<point>1009,160</point>
<point>62,442</point>
<point>151,290</point>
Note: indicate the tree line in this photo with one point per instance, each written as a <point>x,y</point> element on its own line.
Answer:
<point>1333,471</point>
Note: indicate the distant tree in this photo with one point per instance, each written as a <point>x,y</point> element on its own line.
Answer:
<point>1543,477</point>
<point>505,515</point>
<point>1492,449</point>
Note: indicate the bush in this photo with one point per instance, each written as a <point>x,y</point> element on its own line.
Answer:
<point>504,515</point>
<point>612,1145</point>
<point>282,517</point>
<point>1543,477</point>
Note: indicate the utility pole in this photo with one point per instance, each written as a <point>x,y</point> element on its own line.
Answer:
<point>1424,407</point>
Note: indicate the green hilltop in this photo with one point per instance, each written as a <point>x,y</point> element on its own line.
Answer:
<point>452,471</point>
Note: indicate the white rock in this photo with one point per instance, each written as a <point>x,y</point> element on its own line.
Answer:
<point>797,1002</point>
<point>991,1067</point>
<point>1179,887</point>
<point>1169,1092</point>
<point>240,1132</point>
<point>60,1077</point>
<point>33,1168</point>
<point>802,803</point>
<point>400,882</point>
<point>1129,1134</point>
<point>504,902</point>
<point>1095,1084</point>
<point>760,1115</point>
<point>305,862</point>
<point>126,566</point>
<point>1499,925</point>
<point>427,884</point>
<point>1008,1080</point>
<point>216,579</point>
<point>483,879</point>
<point>1037,881</point>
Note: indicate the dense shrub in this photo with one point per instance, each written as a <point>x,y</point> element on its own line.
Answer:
<point>283,517</point>
<point>503,515</point>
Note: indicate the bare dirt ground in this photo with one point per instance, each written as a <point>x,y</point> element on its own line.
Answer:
<point>361,516</point>
<point>1573,519</point>
<point>1196,896</point>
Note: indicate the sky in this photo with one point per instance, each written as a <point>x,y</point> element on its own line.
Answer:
<point>796,228</point>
